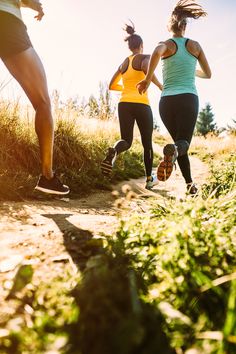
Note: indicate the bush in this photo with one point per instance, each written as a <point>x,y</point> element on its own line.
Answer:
<point>80,146</point>
<point>223,177</point>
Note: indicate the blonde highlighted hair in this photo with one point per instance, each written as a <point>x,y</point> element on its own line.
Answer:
<point>184,9</point>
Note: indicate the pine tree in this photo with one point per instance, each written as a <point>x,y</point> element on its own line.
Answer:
<point>205,123</point>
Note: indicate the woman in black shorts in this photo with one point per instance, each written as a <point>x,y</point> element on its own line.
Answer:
<point>23,63</point>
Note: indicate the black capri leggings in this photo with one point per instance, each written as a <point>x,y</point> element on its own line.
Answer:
<point>141,113</point>
<point>179,115</point>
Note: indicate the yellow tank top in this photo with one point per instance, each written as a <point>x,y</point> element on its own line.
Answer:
<point>130,79</point>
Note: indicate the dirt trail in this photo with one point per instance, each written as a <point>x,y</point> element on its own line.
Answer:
<point>45,233</point>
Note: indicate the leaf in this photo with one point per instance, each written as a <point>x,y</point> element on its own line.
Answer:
<point>23,276</point>
<point>230,321</point>
<point>169,311</point>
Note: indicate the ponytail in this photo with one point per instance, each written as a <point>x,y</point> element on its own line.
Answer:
<point>184,9</point>
<point>134,40</point>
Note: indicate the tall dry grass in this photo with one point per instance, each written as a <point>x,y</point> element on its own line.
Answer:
<point>80,146</point>
<point>213,146</point>
<point>81,142</point>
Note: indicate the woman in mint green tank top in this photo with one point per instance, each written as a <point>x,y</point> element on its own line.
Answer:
<point>179,100</point>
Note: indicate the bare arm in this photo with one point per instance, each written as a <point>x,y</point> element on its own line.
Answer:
<point>144,68</point>
<point>156,55</point>
<point>205,72</point>
<point>114,83</point>
<point>34,5</point>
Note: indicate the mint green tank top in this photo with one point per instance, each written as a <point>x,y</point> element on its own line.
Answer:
<point>178,70</point>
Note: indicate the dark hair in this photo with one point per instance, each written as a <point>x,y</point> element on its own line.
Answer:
<point>134,40</point>
<point>184,9</point>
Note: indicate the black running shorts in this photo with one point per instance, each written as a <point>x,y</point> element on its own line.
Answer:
<point>14,38</point>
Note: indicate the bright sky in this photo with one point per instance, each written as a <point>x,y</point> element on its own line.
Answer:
<point>81,44</point>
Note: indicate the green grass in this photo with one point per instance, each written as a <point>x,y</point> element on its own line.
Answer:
<point>79,149</point>
<point>223,176</point>
<point>164,283</point>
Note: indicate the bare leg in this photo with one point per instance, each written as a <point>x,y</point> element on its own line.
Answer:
<point>28,70</point>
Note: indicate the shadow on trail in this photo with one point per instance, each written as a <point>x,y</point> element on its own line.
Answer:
<point>113,318</point>
<point>78,242</point>
<point>107,313</point>
<point>142,192</point>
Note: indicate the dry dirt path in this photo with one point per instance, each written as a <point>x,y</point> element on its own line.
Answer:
<point>49,234</point>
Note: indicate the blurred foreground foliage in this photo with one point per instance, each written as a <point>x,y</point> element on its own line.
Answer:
<point>164,283</point>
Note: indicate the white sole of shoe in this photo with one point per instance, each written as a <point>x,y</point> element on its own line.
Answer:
<point>49,191</point>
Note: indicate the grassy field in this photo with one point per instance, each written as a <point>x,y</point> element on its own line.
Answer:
<point>80,146</point>
<point>164,283</point>
<point>213,146</point>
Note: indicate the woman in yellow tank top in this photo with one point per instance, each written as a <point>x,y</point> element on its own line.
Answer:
<point>132,106</point>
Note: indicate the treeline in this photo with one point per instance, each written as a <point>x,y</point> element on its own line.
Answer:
<point>103,107</point>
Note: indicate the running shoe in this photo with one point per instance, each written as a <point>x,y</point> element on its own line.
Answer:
<point>192,189</point>
<point>52,186</point>
<point>151,183</point>
<point>165,167</point>
<point>108,162</point>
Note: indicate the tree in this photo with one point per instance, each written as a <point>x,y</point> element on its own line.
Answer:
<point>93,107</point>
<point>205,123</point>
<point>106,107</point>
<point>232,128</point>
<point>101,107</point>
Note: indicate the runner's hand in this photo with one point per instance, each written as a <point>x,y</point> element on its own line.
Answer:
<point>36,6</point>
<point>39,16</point>
<point>142,86</point>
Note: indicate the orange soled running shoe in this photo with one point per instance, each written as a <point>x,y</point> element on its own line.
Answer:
<point>165,167</point>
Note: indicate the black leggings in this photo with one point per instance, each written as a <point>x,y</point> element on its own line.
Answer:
<point>179,114</point>
<point>142,114</point>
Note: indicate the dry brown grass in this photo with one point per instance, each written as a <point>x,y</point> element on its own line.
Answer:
<point>80,146</point>
<point>213,145</point>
